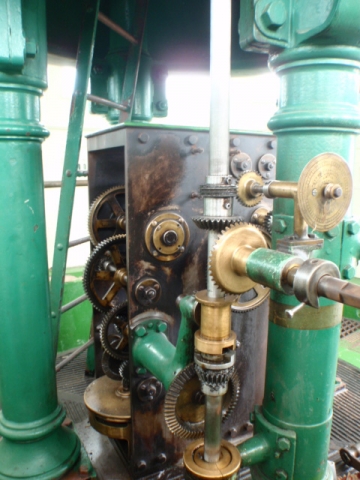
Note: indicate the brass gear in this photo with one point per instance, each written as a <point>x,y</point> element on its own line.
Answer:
<point>243,188</point>
<point>220,265</point>
<point>184,409</point>
<point>114,332</point>
<point>107,215</point>
<point>105,273</point>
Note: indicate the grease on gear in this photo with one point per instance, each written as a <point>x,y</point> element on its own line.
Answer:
<point>107,215</point>
<point>104,274</point>
<point>184,408</point>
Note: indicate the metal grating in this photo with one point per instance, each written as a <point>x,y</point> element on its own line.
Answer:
<point>72,378</point>
<point>348,327</point>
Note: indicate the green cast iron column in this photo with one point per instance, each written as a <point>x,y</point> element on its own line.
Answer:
<point>317,113</point>
<point>34,444</point>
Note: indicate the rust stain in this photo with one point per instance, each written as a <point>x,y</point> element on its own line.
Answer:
<point>155,177</point>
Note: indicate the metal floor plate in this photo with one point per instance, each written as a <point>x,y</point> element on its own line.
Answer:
<point>72,383</point>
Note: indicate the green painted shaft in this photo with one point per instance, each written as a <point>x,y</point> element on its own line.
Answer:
<point>255,450</point>
<point>30,420</point>
<point>152,350</point>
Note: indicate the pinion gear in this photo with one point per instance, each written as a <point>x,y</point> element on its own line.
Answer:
<point>107,215</point>
<point>215,223</point>
<point>184,403</point>
<point>105,273</point>
<point>114,332</point>
<point>268,222</point>
<point>243,192</point>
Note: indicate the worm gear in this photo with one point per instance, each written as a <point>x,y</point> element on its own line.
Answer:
<point>114,332</point>
<point>244,194</point>
<point>268,221</point>
<point>185,403</point>
<point>105,274</point>
<point>216,224</point>
<point>107,215</point>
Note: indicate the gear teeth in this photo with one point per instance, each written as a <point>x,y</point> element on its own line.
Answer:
<point>253,201</point>
<point>186,429</point>
<point>106,321</point>
<point>215,223</point>
<point>268,222</point>
<point>96,255</point>
<point>92,210</point>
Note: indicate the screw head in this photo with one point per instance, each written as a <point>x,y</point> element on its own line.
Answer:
<point>284,444</point>
<point>162,105</point>
<point>348,272</point>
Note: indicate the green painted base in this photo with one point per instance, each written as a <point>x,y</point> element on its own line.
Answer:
<point>46,459</point>
<point>330,474</point>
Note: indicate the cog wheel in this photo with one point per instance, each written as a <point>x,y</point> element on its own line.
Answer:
<point>215,223</point>
<point>105,274</point>
<point>124,372</point>
<point>107,215</point>
<point>268,222</point>
<point>251,299</point>
<point>184,403</point>
<point>110,366</point>
<point>244,195</point>
<point>221,265</point>
<point>114,332</point>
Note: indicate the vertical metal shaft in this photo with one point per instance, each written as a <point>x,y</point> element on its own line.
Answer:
<point>220,53</point>
<point>213,407</point>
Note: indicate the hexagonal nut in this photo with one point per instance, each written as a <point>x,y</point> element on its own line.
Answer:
<point>274,15</point>
<point>353,227</point>
<point>284,444</point>
<point>281,475</point>
<point>279,225</point>
<point>348,272</point>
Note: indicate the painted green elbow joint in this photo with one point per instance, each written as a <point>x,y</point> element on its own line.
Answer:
<point>151,349</point>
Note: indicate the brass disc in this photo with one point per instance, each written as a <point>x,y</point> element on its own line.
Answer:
<point>239,235</point>
<point>320,212</point>
<point>227,465</point>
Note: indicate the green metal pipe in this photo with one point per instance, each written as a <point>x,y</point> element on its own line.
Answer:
<point>152,350</point>
<point>34,444</point>
<point>255,450</point>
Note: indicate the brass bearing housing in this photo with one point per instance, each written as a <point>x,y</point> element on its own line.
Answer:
<point>109,408</point>
<point>215,333</point>
<point>227,465</point>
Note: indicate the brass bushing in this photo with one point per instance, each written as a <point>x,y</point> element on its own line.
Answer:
<point>109,408</point>
<point>225,468</point>
<point>215,327</point>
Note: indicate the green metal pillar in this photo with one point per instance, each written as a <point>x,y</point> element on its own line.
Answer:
<point>318,112</point>
<point>34,443</point>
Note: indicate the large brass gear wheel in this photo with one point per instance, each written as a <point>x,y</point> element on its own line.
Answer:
<point>107,215</point>
<point>114,332</point>
<point>105,274</point>
<point>235,236</point>
<point>244,195</point>
<point>184,403</point>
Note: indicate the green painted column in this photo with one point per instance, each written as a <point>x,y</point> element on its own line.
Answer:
<point>318,112</point>
<point>34,444</point>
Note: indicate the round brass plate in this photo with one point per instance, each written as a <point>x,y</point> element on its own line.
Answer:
<point>106,399</point>
<point>319,212</point>
<point>225,468</point>
<point>166,236</point>
<point>221,262</point>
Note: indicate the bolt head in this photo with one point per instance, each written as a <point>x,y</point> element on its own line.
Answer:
<point>348,272</point>
<point>281,475</point>
<point>284,444</point>
<point>143,137</point>
<point>279,225</point>
<point>353,228</point>
<point>140,331</point>
<point>192,139</point>
<point>162,327</point>
<point>274,15</point>
<point>235,142</point>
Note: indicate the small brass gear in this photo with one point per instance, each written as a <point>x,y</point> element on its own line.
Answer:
<point>244,194</point>
<point>107,215</point>
<point>221,266</point>
<point>268,222</point>
<point>184,403</point>
<point>105,273</point>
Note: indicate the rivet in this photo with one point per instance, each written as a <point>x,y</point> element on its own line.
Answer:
<point>60,246</point>
<point>68,173</point>
<point>191,139</point>
<point>143,137</point>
